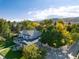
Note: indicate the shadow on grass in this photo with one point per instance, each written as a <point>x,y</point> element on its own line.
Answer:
<point>13,54</point>
<point>7,44</point>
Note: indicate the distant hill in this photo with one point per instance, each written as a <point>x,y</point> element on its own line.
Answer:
<point>70,19</point>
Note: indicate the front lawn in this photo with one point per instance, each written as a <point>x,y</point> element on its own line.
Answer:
<point>9,54</point>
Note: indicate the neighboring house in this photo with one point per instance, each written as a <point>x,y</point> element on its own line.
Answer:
<point>26,37</point>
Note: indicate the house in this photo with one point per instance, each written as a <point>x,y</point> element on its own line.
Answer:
<point>26,37</point>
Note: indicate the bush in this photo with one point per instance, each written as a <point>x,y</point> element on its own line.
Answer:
<point>32,52</point>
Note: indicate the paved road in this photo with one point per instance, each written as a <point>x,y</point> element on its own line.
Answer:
<point>63,53</point>
<point>74,49</point>
<point>56,55</point>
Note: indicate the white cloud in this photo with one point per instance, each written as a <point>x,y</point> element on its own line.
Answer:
<point>65,11</point>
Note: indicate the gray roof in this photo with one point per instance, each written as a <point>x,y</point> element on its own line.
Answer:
<point>28,36</point>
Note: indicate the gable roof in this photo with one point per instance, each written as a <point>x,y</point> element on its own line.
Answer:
<point>28,36</point>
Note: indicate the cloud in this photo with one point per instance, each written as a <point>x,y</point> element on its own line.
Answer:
<point>64,11</point>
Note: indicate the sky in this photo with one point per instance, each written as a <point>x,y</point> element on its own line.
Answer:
<point>19,10</point>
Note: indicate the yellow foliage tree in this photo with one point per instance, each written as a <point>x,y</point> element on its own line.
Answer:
<point>31,52</point>
<point>60,27</point>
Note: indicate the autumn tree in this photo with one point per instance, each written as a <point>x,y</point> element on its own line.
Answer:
<point>32,52</point>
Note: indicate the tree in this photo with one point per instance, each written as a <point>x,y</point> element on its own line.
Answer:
<point>32,52</point>
<point>46,23</point>
<point>60,25</point>
<point>5,29</point>
<point>52,37</point>
<point>75,28</point>
<point>56,36</point>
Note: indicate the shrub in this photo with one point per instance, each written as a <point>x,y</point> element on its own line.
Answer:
<point>32,52</point>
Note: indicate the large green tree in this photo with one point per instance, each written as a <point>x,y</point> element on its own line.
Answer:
<point>56,35</point>
<point>5,29</point>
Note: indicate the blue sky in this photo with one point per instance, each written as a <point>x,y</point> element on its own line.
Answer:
<point>37,9</point>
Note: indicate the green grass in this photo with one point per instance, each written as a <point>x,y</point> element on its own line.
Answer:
<point>1,45</point>
<point>6,44</point>
<point>6,50</point>
<point>9,54</point>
